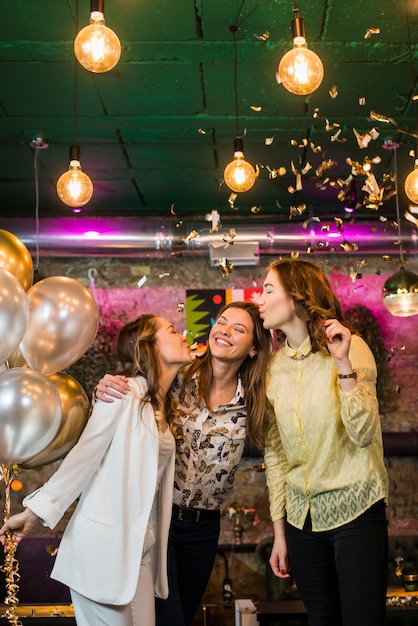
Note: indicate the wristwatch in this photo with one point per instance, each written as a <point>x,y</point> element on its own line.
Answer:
<point>351,375</point>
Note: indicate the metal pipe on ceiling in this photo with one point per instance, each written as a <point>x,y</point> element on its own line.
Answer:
<point>162,237</point>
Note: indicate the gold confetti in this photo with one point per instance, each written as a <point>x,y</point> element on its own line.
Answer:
<point>163,275</point>
<point>325,165</point>
<point>411,218</point>
<point>333,92</point>
<point>349,247</point>
<point>215,218</point>
<point>255,209</point>
<point>294,254</point>
<point>362,101</point>
<point>256,108</point>
<point>296,143</point>
<point>262,37</point>
<point>202,131</point>
<point>371,31</point>
<point>180,307</point>
<point>226,266</point>
<point>314,148</point>
<point>172,211</point>
<point>51,549</point>
<point>231,200</point>
<point>297,211</point>
<point>274,173</point>
<point>307,222</point>
<point>192,235</point>
<point>268,141</point>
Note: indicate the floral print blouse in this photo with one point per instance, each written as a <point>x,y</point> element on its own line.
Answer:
<point>209,446</point>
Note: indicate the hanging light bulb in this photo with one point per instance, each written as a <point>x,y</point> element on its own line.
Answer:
<point>74,187</point>
<point>96,46</point>
<point>300,70</point>
<point>239,175</point>
<point>411,184</point>
<point>400,294</point>
<point>400,291</point>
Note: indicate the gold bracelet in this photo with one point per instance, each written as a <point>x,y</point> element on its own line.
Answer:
<point>352,375</point>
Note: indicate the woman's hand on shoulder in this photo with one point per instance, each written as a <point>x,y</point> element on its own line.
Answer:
<point>110,387</point>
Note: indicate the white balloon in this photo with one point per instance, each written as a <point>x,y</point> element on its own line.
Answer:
<point>30,414</point>
<point>13,314</point>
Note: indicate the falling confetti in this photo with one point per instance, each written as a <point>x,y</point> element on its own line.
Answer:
<point>262,37</point>
<point>371,31</point>
<point>192,235</point>
<point>226,266</point>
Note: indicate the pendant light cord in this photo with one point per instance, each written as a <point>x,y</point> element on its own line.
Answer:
<point>75,79</point>
<point>412,78</point>
<point>398,217</point>
<point>234,29</point>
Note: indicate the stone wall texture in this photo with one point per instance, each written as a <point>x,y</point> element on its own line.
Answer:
<point>357,281</point>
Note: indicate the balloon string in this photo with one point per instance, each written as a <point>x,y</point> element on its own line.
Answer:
<point>11,565</point>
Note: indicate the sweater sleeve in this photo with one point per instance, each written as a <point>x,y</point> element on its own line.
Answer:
<point>51,501</point>
<point>276,466</point>
<point>359,407</point>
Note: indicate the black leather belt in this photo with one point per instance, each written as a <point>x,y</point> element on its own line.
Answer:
<point>188,514</point>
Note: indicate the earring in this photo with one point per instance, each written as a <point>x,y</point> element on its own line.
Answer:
<point>252,354</point>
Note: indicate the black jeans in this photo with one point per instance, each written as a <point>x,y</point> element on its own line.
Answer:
<point>341,574</point>
<point>191,554</point>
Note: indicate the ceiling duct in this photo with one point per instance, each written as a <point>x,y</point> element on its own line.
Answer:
<point>239,253</point>
<point>155,237</point>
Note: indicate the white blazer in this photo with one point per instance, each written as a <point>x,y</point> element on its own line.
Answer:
<point>114,466</point>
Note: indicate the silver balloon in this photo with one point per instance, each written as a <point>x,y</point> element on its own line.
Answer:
<point>13,314</point>
<point>30,414</point>
<point>62,324</point>
<point>75,411</point>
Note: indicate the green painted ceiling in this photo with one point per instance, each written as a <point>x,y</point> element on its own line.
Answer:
<point>157,131</point>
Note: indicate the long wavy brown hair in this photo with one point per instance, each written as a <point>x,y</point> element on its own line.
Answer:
<point>252,372</point>
<point>137,356</point>
<point>306,284</point>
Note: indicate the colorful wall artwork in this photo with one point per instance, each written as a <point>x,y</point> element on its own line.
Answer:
<point>202,306</point>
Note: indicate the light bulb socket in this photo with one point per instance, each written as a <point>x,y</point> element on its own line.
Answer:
<point>238,144</point>
<point>97,5</point>
<point>75,153</point>
<point>298,26</point>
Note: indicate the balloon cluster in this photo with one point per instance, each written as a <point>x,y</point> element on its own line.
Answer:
<point>44,328</point>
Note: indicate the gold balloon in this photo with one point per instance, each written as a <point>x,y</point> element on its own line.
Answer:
<point>17,359</point>
<point>75,411</point>
<point>16,259</point>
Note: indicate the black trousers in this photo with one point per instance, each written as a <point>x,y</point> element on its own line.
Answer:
<point>341,574</point>
<point>191,555</point>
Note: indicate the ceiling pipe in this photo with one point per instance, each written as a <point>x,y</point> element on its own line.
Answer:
<point>162,237</point>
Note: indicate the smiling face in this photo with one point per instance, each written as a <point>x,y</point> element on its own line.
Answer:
<point>277,309</point>
<point>172,347</point>
<point>232,335</point>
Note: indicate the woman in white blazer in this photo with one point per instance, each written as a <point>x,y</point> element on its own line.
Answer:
<point>113,554</point>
